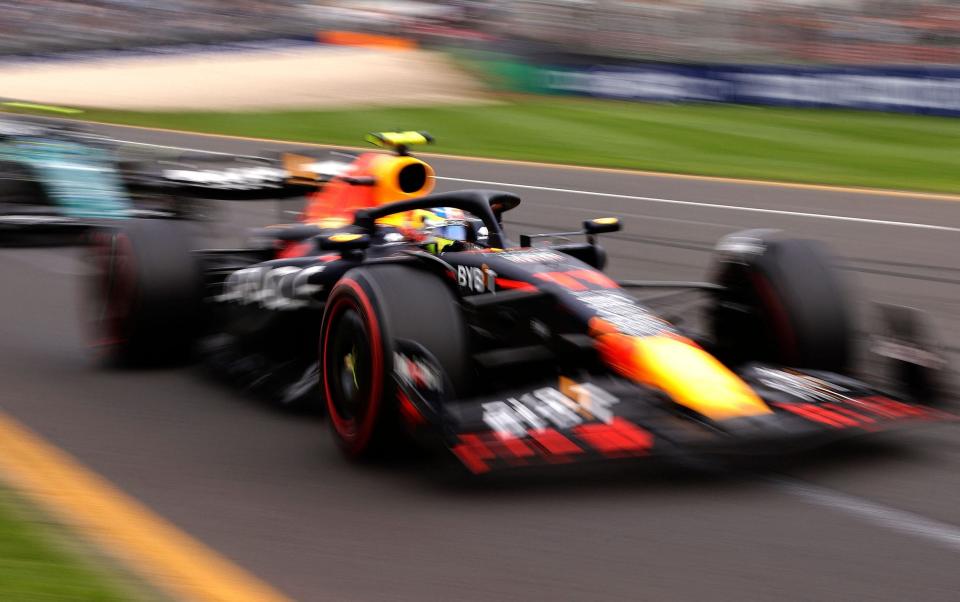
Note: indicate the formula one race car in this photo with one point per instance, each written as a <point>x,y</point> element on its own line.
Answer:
<point>404,312</point>
<point>57,180</point>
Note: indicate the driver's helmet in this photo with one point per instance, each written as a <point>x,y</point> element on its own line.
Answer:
<point>443,229</point>
<point>450,223</point>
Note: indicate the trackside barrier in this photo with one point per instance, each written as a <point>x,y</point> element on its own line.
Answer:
<point>931,90</point>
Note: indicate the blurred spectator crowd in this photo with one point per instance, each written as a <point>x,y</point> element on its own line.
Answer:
<point>750,31</point>
<point>28,26</point>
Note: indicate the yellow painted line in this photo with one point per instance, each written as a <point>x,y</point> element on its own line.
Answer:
<point>917,195</point>
<point>149,545</point>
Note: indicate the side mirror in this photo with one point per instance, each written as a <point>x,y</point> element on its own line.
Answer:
<point>601,225</point>
<point>344,241</point>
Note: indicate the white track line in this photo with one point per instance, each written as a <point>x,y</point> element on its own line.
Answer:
<point>653,218</point>
<point>824,216</point>
<point>942,533</point>
<point>181,148</point>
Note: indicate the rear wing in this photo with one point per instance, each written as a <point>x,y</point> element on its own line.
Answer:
<point>272,177</point>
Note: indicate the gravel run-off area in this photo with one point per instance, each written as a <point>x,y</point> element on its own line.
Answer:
<point>320,77</point>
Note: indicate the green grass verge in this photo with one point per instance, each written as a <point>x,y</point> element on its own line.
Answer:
<point>801,145</point>
<point>37,563</point>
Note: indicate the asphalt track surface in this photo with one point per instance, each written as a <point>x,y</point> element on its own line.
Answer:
<point>871,521</point>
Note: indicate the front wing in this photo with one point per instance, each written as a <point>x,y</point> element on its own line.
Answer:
<point>606,417</point>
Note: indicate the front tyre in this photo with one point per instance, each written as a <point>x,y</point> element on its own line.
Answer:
<point>371,313</point>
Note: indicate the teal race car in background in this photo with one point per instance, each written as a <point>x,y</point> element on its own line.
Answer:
<point>58,180</point>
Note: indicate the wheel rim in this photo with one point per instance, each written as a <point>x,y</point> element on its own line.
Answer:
<point>349,366</point>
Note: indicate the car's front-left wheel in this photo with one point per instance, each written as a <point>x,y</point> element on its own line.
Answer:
<point>375,317</point>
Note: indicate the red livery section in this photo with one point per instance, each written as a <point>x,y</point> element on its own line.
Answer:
<point>553,443</point>
<point>861,413</point>
<point>620,438</point>
<point>577,280</point>
<point>408,410</point>
<point>519,285</point>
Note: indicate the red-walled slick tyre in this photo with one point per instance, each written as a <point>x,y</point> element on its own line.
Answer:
<point>371,311</point>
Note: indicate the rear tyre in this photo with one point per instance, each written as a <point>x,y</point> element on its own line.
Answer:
<point>145,294</point>
<point>782,302</point>
<point>371,313</point>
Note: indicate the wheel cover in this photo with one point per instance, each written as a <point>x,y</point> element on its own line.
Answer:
<point>349,366</point>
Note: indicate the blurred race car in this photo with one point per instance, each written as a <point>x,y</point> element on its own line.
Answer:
<point>403,312</point>
<point>58,179</point>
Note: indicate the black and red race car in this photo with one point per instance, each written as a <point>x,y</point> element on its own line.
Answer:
<point>402,312</point>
